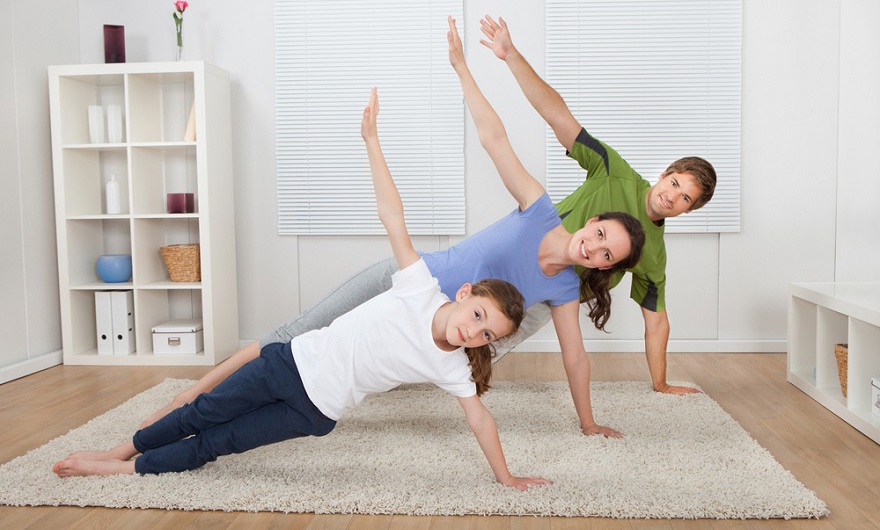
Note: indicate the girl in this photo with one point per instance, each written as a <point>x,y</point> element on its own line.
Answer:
<point>528,248</point>
<point>409,334</point>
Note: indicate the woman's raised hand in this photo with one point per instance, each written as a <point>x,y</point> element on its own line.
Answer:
<point>499,37</point>
<point>456,52</point>
<point>368,123</point>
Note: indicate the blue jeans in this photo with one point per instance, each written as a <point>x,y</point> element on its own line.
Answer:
<point>263,402</point>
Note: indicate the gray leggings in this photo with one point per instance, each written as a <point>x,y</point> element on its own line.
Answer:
<point>366,284</point>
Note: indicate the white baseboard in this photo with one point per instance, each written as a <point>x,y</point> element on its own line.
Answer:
<point>23,368</point>
<point>674,346</point>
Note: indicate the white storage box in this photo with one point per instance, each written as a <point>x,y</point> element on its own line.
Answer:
<point>875,395</point>
<point>178,337</point>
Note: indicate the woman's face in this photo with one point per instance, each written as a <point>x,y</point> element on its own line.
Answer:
<point>599,244</point>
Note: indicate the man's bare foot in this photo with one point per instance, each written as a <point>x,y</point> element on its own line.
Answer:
<point>73,467</point>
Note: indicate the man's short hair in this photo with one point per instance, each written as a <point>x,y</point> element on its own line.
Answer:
<point>703,173</point>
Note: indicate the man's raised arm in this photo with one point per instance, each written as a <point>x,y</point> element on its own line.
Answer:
<point>543,98</point>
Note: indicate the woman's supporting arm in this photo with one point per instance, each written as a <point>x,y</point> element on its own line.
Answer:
<point>577,367</point>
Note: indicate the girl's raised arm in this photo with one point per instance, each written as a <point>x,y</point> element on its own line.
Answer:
<point>493,137</point>
<point>388,201</point>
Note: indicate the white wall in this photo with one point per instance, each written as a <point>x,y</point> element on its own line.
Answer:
<point>32,36</point>
<point>858,185</point>
<point>811,124</point>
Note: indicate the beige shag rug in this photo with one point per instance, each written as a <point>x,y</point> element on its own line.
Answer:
<point>409,451</point>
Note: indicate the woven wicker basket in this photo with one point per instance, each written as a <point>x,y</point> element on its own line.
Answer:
<point>183,262</point>
<point>840,353</point>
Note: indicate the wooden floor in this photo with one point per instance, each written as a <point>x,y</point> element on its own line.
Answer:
<point>837,462</point>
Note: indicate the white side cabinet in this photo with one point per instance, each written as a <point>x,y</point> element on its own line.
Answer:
<point>821,315</point>
<point>151,160</point>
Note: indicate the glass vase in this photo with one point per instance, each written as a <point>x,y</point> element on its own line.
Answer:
<point>179,29</point>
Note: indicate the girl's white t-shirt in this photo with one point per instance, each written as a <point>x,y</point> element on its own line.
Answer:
<point>383,343</point>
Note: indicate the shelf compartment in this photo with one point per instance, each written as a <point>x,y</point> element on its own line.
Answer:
<point>152,234</point>
<point>863,363</point>
<point>802,345</point>
<point>90,238</point>
<point>159,170</point>
<point>830,330</point>
<point>86,172</point>
<point>77,92</point>
<point>156,306</point>
<point>83,331</point>
<point>159,106</point>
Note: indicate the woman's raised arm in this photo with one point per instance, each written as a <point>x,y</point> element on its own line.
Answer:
<point>493,137</point>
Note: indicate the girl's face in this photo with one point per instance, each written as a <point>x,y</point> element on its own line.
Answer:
<point>599,244</point>
<point>475,321</point>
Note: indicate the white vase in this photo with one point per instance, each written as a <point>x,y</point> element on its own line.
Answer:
<point>96,124</point>
<point>114,124</point>
<point>112,196</point>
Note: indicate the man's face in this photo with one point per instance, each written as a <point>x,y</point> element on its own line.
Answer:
<point>673,195</point>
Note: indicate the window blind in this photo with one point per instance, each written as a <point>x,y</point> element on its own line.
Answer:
<point>327,57</point>
<point>656,80</point>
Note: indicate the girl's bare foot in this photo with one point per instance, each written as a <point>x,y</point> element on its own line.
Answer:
<point>73,467</point>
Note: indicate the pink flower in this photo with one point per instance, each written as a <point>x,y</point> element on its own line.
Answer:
<point>180,7</point>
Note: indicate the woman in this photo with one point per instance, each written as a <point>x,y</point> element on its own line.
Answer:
<point>528,248</point>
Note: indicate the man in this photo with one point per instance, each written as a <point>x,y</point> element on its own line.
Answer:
<point>612,185</point>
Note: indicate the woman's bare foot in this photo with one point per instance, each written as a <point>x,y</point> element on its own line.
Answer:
<point>158,415</point>
<point>74,467</point>
<point>124,451</point>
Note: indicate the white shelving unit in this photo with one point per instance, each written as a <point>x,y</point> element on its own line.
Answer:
<point>821,315</point>
<point>152,160</point>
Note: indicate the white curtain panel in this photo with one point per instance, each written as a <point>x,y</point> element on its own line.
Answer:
<point>328,55</point>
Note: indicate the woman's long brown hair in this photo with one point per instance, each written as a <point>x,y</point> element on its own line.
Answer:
<point>596,283</point>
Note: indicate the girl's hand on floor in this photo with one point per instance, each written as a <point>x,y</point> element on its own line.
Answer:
<point>524,483</point>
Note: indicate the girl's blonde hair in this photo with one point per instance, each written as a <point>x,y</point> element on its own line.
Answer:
<point>510,302</point>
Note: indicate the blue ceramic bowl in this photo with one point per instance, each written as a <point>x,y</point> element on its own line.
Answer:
<point>114,268</point>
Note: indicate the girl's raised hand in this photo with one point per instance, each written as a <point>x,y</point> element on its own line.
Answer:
<point>368,123</point>
<point>456,52</point>
<point>499,38</point>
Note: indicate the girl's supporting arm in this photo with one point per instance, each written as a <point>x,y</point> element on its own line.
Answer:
<point>483,425</point>
<point>388,201</point>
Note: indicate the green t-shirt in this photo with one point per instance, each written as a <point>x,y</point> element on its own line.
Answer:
<point>612,185</point>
